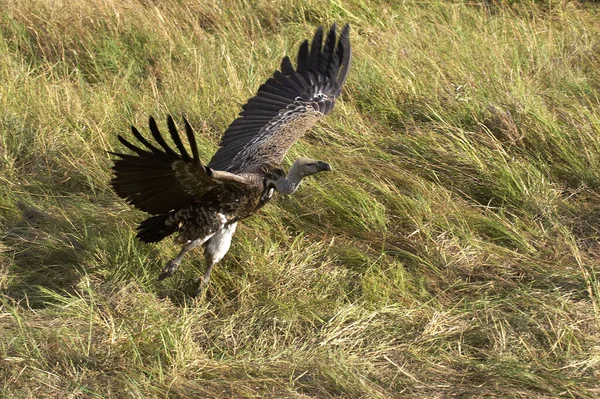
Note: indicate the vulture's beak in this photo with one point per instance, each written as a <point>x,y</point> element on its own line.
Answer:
<point>324,166</point>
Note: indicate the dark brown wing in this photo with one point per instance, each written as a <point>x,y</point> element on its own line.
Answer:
<point>286,105</point>
<point>159,180</point>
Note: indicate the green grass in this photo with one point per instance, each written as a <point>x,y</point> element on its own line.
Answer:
<point>453,252</point>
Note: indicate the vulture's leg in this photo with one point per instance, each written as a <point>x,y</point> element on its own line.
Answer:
<point>173,264</point>
<point>215,250</point>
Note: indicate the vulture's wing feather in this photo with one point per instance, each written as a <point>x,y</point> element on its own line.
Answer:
<point>286,105</point>
<point>200,181</point>
<point>158,181</point>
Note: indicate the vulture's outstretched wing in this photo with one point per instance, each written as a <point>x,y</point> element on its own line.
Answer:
<point>286,105</point>
<point>158,180</point>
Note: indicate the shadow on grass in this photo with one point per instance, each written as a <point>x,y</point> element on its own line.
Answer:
<point>43,250</point>
<point>181,288</point>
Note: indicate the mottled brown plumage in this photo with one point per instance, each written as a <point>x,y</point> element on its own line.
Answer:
<point>233,201</point>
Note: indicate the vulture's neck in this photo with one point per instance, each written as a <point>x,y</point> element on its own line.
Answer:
<point>288,184</point>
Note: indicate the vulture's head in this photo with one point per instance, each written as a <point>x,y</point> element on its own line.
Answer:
<point>303,167</point>
<point>300,169</point>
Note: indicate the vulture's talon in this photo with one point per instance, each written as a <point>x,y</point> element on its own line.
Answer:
<point>202,283</point>
<point>168,270</point>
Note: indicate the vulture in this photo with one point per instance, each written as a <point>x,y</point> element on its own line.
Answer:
<point>203,203</point>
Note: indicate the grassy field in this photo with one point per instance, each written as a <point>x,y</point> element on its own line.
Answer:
<point>453,252</point>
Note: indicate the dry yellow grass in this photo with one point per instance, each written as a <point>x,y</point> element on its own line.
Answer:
<point>452,253</point>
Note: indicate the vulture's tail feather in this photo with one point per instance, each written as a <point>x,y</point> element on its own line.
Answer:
<point>154,229</point>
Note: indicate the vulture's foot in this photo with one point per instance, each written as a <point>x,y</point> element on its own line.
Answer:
<point>202,282</point>
<point>169,269</point>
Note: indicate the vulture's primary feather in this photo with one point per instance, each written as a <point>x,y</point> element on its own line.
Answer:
<point>203,203</point>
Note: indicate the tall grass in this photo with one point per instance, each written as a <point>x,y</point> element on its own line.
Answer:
<point>453,252</point>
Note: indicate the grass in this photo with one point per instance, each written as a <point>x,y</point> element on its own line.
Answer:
<point>453,252</point>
